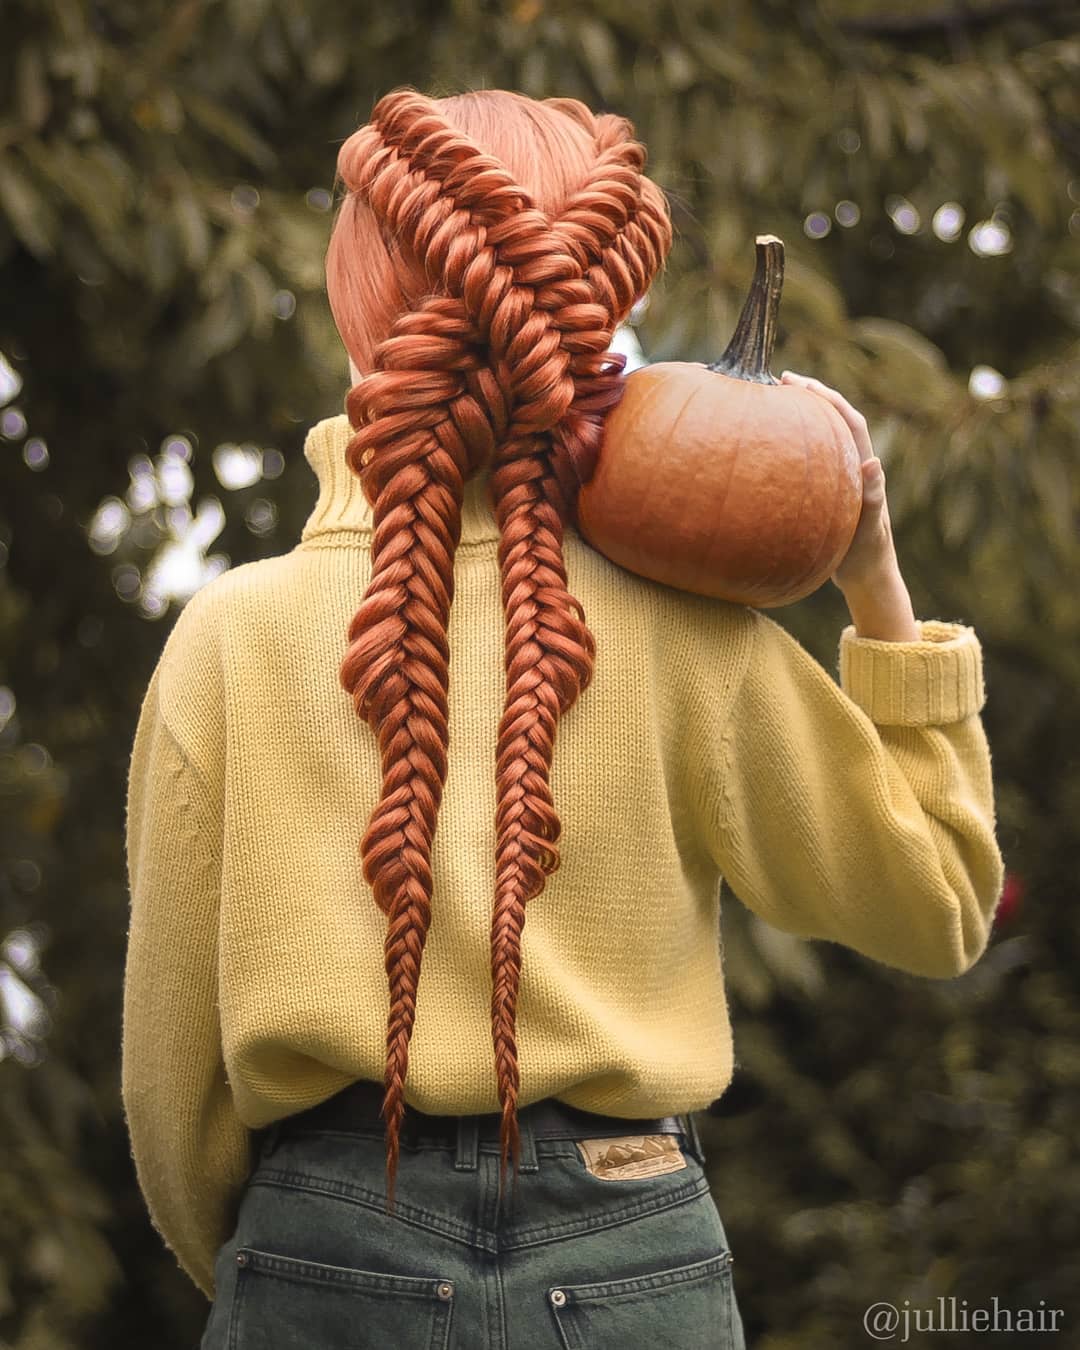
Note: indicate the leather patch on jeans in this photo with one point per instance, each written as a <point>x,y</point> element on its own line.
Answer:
<point>631,1155</point>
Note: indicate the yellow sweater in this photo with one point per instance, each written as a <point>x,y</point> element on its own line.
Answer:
<point>710,743</point>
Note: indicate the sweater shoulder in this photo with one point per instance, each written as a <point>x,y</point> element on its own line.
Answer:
<point>207,614</point>
<point>191,670</point>
<point>674,615</point>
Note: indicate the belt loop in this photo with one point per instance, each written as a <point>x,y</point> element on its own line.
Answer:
<point>694,1138</point>
<point>467,1156</point>
<point>527,1134</point>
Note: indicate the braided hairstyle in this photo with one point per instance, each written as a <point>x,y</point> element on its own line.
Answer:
<point>480,295</point>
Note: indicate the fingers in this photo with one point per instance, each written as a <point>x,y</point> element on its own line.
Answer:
<point>855,420</point>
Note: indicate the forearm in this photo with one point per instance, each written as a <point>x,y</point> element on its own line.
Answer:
<point>894,854</point>
<point>881,607</point>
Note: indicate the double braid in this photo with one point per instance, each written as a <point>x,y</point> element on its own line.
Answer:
<point>515,370</point>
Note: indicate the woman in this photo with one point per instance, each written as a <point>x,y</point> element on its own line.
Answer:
<point>279,1045</point>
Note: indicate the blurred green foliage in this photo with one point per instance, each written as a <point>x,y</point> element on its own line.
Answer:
<point>165,175</point>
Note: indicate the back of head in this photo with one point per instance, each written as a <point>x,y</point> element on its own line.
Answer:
<point>486,249</point>
<point>548,147</point>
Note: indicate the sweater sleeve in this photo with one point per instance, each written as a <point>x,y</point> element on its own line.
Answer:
<point>861,813</point>
<point>191,1152</point>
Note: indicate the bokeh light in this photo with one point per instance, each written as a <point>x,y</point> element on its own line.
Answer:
<point>10,380</point>
<point>990,238</point>
<point>985,382</point>
<point>12,424</point>
<point>948,221</point>
<point>35,454</point>
<point>237,466</point>
<point>903,214</point>
<point>817,225</point>
<point>625,340</point>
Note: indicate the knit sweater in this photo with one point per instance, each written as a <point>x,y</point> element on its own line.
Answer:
<point>709,745</point>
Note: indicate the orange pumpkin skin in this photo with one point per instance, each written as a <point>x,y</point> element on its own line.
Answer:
<point>732,488</point>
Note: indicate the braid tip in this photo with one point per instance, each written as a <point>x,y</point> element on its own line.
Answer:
<point>510,1140</point>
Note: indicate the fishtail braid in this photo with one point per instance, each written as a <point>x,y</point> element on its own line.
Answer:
<point>507,363</point>
<point>431,428</point>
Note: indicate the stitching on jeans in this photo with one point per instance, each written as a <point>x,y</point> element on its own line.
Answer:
<point>368,1199</point>
<point>683,1194</point>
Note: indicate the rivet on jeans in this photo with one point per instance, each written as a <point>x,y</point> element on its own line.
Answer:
<point>241,1258</point>
<point>445,1289</point>
<point>558,1297</point>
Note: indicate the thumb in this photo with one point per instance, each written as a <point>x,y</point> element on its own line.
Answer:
<point>873,481</point>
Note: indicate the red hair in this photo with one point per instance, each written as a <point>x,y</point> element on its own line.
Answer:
<point>484,252</point>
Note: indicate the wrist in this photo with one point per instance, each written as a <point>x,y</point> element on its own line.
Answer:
<point>882,571</point>
<point>880,607</point>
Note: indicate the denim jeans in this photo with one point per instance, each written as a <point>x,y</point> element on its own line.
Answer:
<point>575,1258</point>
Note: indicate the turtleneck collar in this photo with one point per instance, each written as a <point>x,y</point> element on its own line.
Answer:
<point>341,503</point>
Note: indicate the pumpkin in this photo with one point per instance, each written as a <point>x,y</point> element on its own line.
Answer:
<point>719,479</point>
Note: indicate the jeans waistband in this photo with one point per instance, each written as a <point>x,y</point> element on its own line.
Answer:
<point>358,1106</point>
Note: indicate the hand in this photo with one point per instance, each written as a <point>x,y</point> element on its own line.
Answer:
<point>871,556</point>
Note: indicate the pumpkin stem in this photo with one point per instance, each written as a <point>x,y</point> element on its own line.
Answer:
<point>750,349</point>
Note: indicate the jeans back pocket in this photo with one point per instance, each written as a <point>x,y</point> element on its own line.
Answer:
<point>690,1306</point>
<point>283,1301</point>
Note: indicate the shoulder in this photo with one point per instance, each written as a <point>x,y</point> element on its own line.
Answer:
<point>191,666</point>
<point>205,617</point>
<point>666,611</point>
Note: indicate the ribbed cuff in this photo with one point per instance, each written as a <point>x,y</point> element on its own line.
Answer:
<point>937,679</point>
